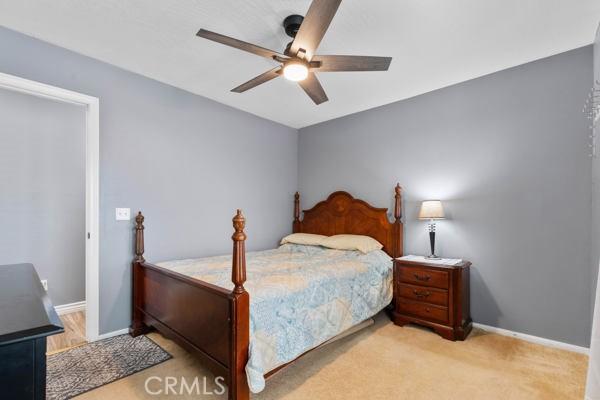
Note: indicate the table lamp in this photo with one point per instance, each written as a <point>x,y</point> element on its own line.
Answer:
<point>432,210</point>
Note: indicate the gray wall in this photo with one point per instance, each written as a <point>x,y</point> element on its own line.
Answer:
<point>596,183</point>
<point>186,161</point>
<point>508,155</point>
<point>506,152</point>
<point>42,181</point>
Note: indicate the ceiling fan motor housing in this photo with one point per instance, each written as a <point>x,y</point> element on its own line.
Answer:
<point>291,24</point>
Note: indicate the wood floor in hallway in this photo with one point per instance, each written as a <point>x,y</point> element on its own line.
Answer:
<point>74,334</point>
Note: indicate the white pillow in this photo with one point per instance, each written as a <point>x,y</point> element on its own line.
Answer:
<point>304,238</point>
<point>364,244</point>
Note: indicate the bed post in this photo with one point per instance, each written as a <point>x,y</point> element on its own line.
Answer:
<point>296,225</point>
<point>137,325</point>
<point>240,315</point>
<point>398,221</point>
<point>139,238</point>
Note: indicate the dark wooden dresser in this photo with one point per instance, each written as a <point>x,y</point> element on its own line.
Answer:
<point>433,295</point>
<point>26,318</point>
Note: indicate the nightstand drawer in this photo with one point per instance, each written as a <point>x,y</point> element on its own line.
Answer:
<point>424,277</point>
<point>424,294</point>
<point>426,311</point>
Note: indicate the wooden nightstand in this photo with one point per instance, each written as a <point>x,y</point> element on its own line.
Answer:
<point>433,295</point>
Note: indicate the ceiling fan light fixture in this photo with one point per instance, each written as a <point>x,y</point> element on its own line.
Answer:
<point>295,71</point>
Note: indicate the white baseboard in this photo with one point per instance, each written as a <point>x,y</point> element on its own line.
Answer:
<point>69,308</point>
<point>80,306</point>
<point>112,334</point>
<point>533,339</point>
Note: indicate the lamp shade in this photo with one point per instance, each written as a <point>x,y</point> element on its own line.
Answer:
<point>431,209</point>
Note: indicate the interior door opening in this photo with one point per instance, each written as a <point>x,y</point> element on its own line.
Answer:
<point>49,210</point>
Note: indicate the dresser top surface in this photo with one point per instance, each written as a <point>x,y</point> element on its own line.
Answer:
<point>26,311</point>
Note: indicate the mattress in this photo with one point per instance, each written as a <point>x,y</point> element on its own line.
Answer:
<point>300,297</point>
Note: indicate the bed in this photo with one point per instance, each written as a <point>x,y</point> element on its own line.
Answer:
<point>296,298</point>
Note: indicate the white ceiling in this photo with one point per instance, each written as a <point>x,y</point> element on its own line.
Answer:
<point>434,43</point>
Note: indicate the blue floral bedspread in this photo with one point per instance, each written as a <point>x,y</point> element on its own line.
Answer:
<point>300,297</point>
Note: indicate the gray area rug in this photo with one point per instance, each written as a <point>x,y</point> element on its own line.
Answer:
<point>83,368</point>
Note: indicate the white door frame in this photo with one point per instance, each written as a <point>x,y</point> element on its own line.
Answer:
<point>92,193</point>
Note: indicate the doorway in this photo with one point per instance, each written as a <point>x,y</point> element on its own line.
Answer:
<point>65,208</point>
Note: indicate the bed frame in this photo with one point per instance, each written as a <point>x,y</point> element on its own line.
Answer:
<point>214,323</point>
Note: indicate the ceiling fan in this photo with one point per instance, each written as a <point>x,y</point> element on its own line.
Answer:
<point>299,61</point>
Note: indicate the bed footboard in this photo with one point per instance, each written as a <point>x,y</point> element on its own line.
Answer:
<point>207,320</point>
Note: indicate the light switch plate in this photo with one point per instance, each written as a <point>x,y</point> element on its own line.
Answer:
<point>123,214</point>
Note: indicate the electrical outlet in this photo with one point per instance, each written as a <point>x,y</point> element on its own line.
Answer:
<point>122,214</point>
<point>45,284</point>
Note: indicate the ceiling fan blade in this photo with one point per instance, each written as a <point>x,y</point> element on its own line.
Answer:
<point>313,28</point>
<point>262,78</point>
<point>352,63</point>
<point>238,44</point>
<point>313,89</point>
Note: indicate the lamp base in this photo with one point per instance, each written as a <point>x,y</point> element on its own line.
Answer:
<point>432,242</point>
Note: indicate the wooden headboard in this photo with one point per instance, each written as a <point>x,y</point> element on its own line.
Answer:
<point>343,214</point>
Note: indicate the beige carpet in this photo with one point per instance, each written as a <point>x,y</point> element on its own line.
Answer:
<point>388,362</point>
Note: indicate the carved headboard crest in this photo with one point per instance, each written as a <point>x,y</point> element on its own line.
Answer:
<point>343,214</point>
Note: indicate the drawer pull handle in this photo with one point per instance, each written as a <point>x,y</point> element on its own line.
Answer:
<point>421,294</point>
<point>422,278</point>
